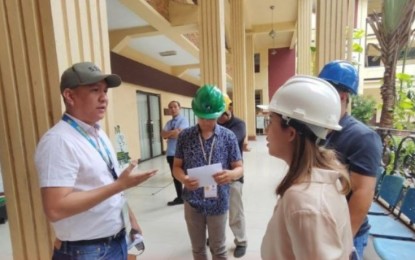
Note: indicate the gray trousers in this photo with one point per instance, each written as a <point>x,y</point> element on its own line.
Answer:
<point>236,214</point>
<point>216,227</point>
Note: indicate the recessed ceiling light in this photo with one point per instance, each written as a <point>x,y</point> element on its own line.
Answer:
<point>167,53</point>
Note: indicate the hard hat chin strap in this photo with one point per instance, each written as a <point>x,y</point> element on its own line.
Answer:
<point>302,128</point>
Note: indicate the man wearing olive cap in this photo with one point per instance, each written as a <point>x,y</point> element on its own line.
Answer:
<point>81,184</point>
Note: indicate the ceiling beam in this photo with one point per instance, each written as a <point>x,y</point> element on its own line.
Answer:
<point>183,13</point>
<point>145,11</point>
<point>294,38</point>
<point>186,28</point>
<point>145,59</point>
<point>118,38</point>
<point>293,41</point>
<point>117,44</point>
<point>146,31</point>
<point>181,70</point>
<point>191,79</point>
<point>278,27</point>
<point>139,31</point>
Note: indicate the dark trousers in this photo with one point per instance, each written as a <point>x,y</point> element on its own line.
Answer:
<point>177,184</point>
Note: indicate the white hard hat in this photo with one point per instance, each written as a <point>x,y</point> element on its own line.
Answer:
<point>310,100</point>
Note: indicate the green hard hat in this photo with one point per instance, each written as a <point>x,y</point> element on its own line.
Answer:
<point>208,102</point>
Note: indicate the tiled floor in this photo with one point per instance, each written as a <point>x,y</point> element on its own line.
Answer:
<point>5,245</point>
<point>164,227</point>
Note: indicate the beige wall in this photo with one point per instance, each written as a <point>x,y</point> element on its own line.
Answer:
<point>126,114</point>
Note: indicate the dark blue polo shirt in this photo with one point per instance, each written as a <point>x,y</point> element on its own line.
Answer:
<point>237,126</point>
<point>359,148</point>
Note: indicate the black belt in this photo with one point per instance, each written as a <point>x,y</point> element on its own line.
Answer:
<point>120,234</point>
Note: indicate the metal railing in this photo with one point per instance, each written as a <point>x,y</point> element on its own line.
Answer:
<point>398,156</point>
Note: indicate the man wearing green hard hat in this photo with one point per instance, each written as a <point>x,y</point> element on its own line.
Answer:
<point>208,149</point>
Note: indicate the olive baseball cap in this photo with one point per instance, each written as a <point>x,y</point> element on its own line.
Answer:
<point>85,73</point>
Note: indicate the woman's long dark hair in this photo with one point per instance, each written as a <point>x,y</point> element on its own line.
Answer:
<point>307,155</point>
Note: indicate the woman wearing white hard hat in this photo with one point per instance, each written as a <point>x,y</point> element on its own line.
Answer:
<point>311,219</point>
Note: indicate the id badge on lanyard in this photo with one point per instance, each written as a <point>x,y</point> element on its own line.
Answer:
<point>210,191</point>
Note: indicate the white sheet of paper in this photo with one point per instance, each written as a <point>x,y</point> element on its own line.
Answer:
<point>204,173</point>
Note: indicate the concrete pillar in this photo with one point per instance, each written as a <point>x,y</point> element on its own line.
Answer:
<point>335,23</point>
<point>250,88</point>
<point>362,7</point>
<point>212,43</point>
<point>39,40</point>
<point>304,37</point>
<point>238,60</point>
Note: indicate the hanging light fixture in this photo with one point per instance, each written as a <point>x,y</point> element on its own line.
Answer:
<point>272,33</point>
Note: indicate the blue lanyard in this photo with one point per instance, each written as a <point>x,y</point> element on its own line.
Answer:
<point>80,130</point>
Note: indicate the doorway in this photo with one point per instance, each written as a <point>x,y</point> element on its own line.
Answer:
<point>149,122</point>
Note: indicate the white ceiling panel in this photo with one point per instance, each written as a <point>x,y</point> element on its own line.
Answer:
<point>153,45</point>
<point>156,36</point>
<point>194,73</point>
<point>120,17</point>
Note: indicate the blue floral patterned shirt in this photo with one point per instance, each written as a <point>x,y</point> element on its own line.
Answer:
<point>225,151</point>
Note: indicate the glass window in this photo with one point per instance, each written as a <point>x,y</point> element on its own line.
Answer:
<point>188,113</point>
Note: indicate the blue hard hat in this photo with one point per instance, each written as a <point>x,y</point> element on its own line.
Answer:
<point>341,74</point>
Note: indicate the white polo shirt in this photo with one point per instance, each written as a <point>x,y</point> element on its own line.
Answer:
<point>65,158</point>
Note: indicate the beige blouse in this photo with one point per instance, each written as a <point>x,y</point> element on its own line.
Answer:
<point>311,221</point>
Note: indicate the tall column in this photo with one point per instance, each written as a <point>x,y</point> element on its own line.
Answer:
<point>334,30</point>
<point>39,40</point>
<point>238,59</point>
<point>28,98</point>
<point>250,88</point>
<point>361,24</point>
<point>304,37</point>
<point>212,43</point>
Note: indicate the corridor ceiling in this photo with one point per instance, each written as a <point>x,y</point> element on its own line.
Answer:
<point>163,34</point>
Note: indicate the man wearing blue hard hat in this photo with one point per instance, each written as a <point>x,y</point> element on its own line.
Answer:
<point>358,147</point>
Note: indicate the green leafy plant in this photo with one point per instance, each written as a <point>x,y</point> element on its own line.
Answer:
<point>363,108</point>
<point>404,111</point>
<point>392,28</point>
<point>358,34</point>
